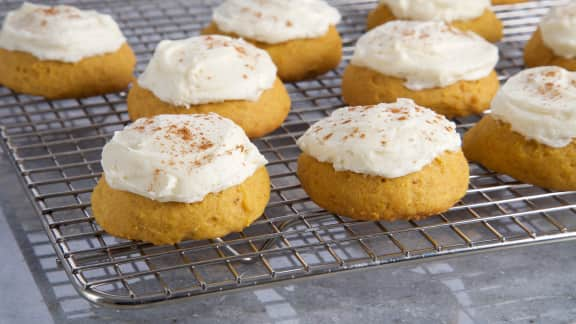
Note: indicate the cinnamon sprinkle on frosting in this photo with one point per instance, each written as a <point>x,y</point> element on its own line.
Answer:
<point>179,157</point>
<point>388,140</point>
<point>275,21</point>
<point>539,103</point>
<point>208,66</point>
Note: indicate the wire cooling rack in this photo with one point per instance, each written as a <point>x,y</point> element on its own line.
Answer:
<point>55,147</point>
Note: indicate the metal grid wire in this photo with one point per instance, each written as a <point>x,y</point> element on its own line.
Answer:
<point>55,147</point>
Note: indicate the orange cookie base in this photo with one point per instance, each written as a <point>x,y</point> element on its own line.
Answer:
<point>134,217</point>
<point>298,59</point>
<point>496,146</point>
<point>257,118</point>
<point>536,53</point>
<point>363,86</point>
<point>432,190</point>
<point>24,73</point>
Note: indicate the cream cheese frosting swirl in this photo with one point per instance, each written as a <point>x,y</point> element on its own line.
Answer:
<point>208,69</point>
<point>179,158</point>
<point>558,29</point>
<point>388,140</point>
<point>275,21</point>
<point>540,103</point>
<point>444,10</point>
<point>425,54</point>
<point>60,33</point>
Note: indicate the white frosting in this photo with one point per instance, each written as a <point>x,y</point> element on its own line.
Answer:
<point>540,103</point>
<point>276,21</point>
<point>444,10</point>
<point>558,29</point>
<point>387,140</point>
<point>179,158</point>
<point>60,33</point>
<point>425,54</point>
<point>208,69</point>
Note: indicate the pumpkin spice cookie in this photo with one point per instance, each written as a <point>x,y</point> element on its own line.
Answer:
<point>475,16</point>
<point>299,35</point>
<point>385,162</point>
<point>212,74</point>
<point>530,134</point>
<point>63,52</point>
<point>438,66</point>
<point>554,43</point>
<point>175,177</point>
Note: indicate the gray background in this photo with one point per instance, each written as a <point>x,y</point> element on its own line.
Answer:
<point>522,285</point>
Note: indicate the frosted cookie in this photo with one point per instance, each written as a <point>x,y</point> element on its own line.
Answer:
<point>384,162</point>
<point>438,66</point>
<point>63,52</point>
<point>530,133</point>
<point>554,42</point>
<point>173,177</point>
<point>212,74</point>
<point>299,35</point>
<point>475,15</point>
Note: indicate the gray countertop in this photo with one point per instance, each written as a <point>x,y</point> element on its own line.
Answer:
<point>533,284</point>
